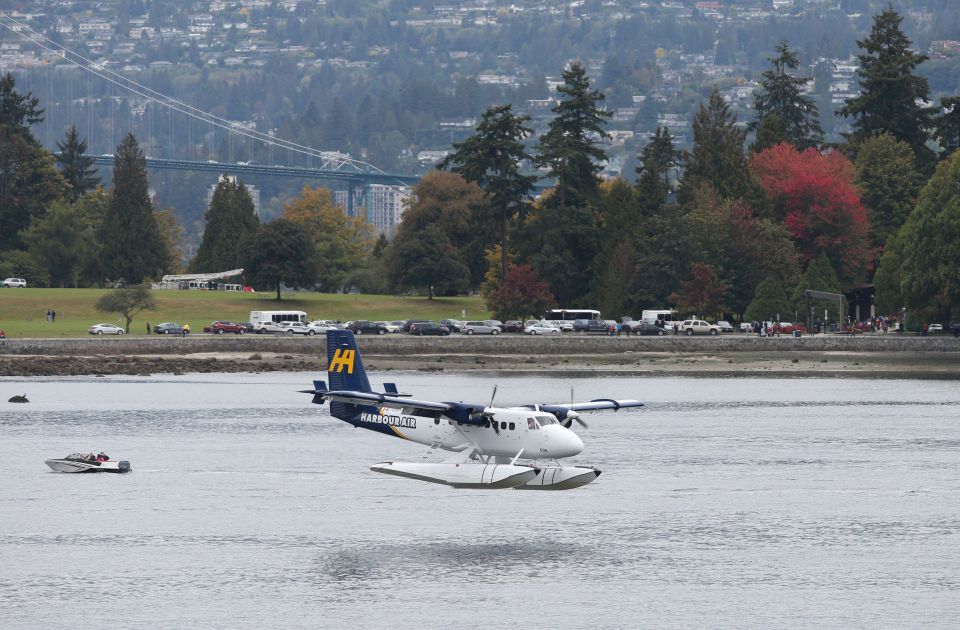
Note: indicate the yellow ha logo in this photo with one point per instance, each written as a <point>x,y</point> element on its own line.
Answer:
<point>342,359</point>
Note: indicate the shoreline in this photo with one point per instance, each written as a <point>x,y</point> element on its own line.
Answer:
<point>726,364</point>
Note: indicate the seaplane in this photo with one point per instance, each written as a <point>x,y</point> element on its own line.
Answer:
<point>491,447</point>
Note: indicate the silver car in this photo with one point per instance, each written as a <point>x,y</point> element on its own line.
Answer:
<point>105,329</point>
<point>479,328</point>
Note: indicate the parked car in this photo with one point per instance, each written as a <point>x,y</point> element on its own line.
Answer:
<point>698,327</point>
<point>746,327</point>
<point>495,322</point>
<point>645,328</point>
<point>935,328</point>
<point>297,328</point>
<point>421,328</point>
<point>219,328</point>
<point>480,328</point>
<point>391,327</point>
<point>247,326</point>
<point>365,327</point>
<point>565,325</point>
<point>408,324</point>
<point>168,328</point>
<point>15,283</point>
<point>267,327</point>
<point>955,328</point>
<point>320,326</point>
<point>725,326</point>
<point>591,326</point>
<point>105,329</point>
<point>786,328</point>
<point>542,328</point>
<point>513,326</point>
<point>453,325</point>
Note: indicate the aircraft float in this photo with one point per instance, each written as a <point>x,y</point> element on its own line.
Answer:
<point>493,447</point>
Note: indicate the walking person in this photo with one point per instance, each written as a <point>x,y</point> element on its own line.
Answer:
<point>48,315</point>
<point>148,328</point>
<point>53,315</point>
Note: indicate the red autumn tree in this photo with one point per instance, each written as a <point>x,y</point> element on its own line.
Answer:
<point>523,294</point>
<point>815,197</point>
<point>702,294</point>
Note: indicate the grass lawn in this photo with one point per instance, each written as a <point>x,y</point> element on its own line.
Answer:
<point>23,312</point>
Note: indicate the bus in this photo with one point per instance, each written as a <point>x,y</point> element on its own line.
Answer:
<point>570,314</point>
<point>277,317</point>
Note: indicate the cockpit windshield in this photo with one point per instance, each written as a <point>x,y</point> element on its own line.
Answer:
<point>545,419</point>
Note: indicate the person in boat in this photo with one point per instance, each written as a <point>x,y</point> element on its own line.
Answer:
<point>102,457</point>
<point>91,457</point>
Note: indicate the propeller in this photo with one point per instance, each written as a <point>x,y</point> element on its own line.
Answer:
<point>572,415</point>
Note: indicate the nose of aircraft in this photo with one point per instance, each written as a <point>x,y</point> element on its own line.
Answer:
<point>565,443</point>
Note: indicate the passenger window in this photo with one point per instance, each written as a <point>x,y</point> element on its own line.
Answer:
<point>531,425</point>
<point>503,426</point>
<point>512,426</point>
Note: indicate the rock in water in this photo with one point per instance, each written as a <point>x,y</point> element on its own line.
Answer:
<point>19,399</point>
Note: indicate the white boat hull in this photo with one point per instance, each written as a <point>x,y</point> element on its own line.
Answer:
<point>465,475</point>
<point>74,466</point>
<point>561,478</point>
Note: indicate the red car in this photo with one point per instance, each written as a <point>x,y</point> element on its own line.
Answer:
<point>787,329</point>
<point>218,328</point>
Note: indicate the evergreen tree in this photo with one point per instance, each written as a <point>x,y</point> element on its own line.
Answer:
<point>782,96</point>
<point>717,157</point>
<point>133,248</point>
<point>491,158</point>
<point>62,241</point>
<point>427,261</point>
<point>946,126</point>
<point>230,220</point>
<point>929,248</point>
<point>891,95</point>
<point>569,147</point>
<point>889,183</point>
<point>657,159</point>
<point>76,168</point>
<point>770,303</point>
<point>29,182</point>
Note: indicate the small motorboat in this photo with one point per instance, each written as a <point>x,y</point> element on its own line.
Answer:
<point>88,462</point>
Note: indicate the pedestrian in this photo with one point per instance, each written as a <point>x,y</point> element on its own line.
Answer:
<point>148,328</point>
<point>53,315</point>
<point>48,315</point>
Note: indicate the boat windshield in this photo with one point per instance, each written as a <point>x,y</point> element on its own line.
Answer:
<point>78,456</point>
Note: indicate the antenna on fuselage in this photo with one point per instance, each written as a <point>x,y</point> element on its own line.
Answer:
<point>492,396</point>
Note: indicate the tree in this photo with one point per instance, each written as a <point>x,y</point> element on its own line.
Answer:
<point>231,220</point>
<point>521,295</point>
<point>342,243</point>
<point>891,96</point>
<point>76,168</point>
<point>17,111</point>
<point>569,147</point>
<point>29,182</point>
<point>717,157</point>
<point>782,96</point>
<point>133,248</point>
<point>461,210</point>
<point>616,281</point>
<point>889,183</point>
<point>20,264</point>
<point>946,126</point>
<point>814,195</point>
<point>703,293</point>
<point>928,245</point>
<point>770,302</point>
<point>819,276</point>
<point>62,241</point>
<point>657,159</point>
<point>491,158</point>
<point>427,261</point>
<point>280,252</point>
<point>127,302</point>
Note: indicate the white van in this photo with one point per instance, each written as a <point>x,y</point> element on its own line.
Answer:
<point>269,321</point>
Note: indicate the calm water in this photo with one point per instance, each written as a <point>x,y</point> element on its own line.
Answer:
<point>723,503</point>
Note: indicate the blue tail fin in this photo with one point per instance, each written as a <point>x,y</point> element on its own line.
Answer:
<point>344,366</point>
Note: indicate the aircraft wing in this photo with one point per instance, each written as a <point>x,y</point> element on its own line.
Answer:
<point>593,405</point>
<point>373,398</point>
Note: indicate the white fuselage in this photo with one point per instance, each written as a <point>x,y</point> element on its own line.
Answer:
<point>532,434</point>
